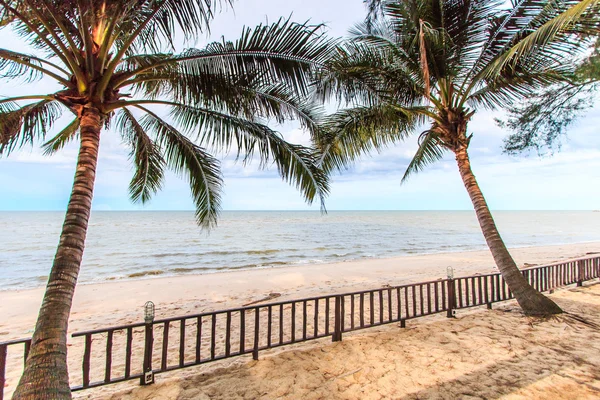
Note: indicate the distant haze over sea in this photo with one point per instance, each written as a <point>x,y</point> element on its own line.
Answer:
<point>134,245</point>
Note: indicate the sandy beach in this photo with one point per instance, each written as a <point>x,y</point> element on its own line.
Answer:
<point>482,354</point>
<point>116,303</point>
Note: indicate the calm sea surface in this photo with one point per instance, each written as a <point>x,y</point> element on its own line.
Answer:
<point>133,245</point>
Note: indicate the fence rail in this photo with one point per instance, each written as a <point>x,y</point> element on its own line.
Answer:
<point>141,350</point>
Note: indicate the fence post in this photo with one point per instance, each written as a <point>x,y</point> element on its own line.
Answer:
<point>148,377</point>
<point>256,333</point>
<point>580,272</point>
<point>3,353</point>
<point>337,330</point>
<point>451,298</point>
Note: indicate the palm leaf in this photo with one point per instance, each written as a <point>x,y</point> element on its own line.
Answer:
<point>61,139</point>
<point>430,150</point>
<point>23,125</point>
<point>187,159</point>
<point>551,39</point>
<point>350,133</point>
<point>280,52</point>
<point>296,164</point>
<point>146,156</point>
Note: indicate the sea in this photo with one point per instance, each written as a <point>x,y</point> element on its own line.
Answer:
<point>140,245</point>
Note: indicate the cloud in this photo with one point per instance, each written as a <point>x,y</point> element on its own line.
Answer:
<point>568,180</point>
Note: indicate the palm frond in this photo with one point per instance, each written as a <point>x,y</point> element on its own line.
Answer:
<point>506,90</point>
<point>21,125</point>
<point>363,74</point>
<point>554,34</point>
<point>61,139</point>
<point>147,158</point>
<point>280,52</point>
<point>296,164</point>
<point>350,133</point>
<point>430,150</point>
<point>188,159</point>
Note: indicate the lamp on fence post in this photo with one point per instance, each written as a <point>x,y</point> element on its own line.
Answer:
<point>451,293</point>
<point>148,377</point>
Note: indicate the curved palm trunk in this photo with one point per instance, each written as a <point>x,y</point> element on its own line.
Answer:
<point>46,375</point>
<point>531,301</point>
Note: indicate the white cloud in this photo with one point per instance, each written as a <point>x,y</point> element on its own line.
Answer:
<point>568,180</point>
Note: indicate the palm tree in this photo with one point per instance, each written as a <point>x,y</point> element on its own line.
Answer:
<point>438,62</point>
<point>116,64</point>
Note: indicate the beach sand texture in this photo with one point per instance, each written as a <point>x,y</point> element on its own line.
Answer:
<point>117,303</point>
<point>497,354</point>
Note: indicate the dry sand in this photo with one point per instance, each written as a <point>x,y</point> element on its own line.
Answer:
<point>116,303</point>
<point>497,354</point>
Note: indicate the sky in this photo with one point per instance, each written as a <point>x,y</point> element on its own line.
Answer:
<point>567,180</point>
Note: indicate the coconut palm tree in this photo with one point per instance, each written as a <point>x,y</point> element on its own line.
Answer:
<point>438,62</point>
<point>116,64</point>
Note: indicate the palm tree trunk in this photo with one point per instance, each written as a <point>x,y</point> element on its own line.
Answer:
<point>531,301</point>
<point>46,375</point>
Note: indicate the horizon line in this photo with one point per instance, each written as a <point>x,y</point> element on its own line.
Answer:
<point>318,211</point>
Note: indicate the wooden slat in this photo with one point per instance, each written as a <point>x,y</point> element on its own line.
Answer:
<point>372,307</point>
<point>269,325</point>
<point>428,298</point>
<point>436,297</point>
<point>213,336</point>
<point>293,321</point>
<point>243,330</point>
<point>280,323</point>
<point>327,315</point>
<point>304,319</point>
<point>86,360</point>
<point>108,366</point>
<point>165,346</point>
<point>342,315</point>
<point>228,335</point>
<point>486,289</point>
<point>399,305</point>
<point>352,311</point>
<point>128,352</point>
<point>362,310</point>
<point>337,321</point>
<point>390,316</point>
<point>316,323</point>
<point>181,343</point>
<point>414,299</point>
<point>381,306</point>
<point>198,339</point>
<point>443,284</point>
<point>422,305</point>
<point>498,288</point>
<point>257,332</point>
<point>406,301</point>
<point>3,356</point>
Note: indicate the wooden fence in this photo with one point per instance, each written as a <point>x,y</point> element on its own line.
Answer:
<point>139,351</point>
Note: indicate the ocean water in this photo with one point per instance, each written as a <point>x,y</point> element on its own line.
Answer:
<point>136,245</point>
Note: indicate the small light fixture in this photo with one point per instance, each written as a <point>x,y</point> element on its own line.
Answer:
<point>149,312</point>
<point>450,272</point>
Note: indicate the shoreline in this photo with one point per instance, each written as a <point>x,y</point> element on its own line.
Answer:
<point>152,275</point>
<point>99,306</point>
<point>122,301</point>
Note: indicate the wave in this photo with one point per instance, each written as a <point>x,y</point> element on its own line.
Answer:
<point>223,253</point>
<point>145,273</point>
